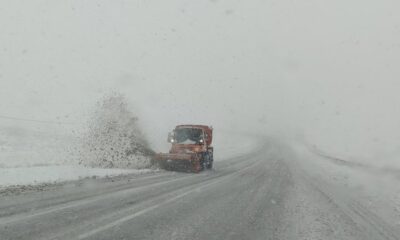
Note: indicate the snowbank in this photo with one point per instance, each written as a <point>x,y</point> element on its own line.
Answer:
<point>54,174</point>
<point>384,162</point>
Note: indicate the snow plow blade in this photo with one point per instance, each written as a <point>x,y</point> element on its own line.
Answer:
<point>176,156</point>
<point>174,161</point>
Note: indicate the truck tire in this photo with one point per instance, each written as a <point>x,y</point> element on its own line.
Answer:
<point>203,164</point>
<point>210,165</point>
<point>163,165</point>
<point>210,160</point>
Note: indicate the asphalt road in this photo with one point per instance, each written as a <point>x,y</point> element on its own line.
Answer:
<point>265,194</point>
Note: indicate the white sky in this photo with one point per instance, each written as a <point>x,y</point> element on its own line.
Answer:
<point>326,69</point>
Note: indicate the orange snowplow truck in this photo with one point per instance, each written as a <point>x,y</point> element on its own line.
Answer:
<point>191,148</point>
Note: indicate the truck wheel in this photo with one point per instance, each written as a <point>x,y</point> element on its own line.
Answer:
<point>203,164</point>
<point>210,160</point>
<point>210,165</point>
<point>163,165</point>
<point>159,165</point>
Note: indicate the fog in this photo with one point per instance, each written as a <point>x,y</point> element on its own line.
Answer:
<point>325,72</point>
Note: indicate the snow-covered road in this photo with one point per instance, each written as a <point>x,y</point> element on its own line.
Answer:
<point>272,192</point>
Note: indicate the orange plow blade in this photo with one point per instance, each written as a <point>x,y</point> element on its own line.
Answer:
<point>173,161</point>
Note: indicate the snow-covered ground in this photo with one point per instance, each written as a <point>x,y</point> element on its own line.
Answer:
<point>31,156</point>
<point>384,160</point>
<point>373,186</point>
<point>53,174</point>
<point>33,144</point>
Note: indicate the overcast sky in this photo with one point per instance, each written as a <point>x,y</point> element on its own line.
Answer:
<point>326,70</point>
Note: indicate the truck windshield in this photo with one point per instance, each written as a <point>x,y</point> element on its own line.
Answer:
<point>188,135</point>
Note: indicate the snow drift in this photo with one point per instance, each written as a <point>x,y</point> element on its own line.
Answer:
<point>113,138</point>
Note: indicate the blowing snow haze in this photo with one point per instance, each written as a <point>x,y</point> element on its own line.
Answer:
<point>302,95</point>
<point>326,71</point>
